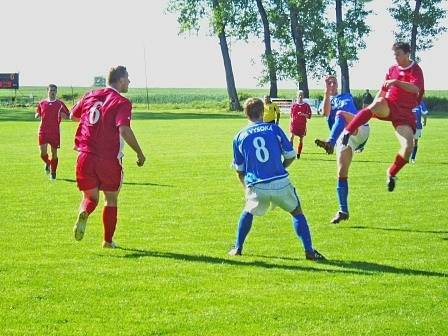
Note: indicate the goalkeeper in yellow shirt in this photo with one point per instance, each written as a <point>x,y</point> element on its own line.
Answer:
<point>271,111</point>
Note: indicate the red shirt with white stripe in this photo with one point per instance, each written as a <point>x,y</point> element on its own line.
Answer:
<point>101,113</point>
<point>300,112</point>
<point>49,112</point>
<point>411,74</point>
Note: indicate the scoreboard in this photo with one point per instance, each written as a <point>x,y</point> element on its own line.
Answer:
<point>9,81</point>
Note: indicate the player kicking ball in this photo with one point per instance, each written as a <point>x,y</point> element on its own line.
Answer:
<point>257,157</point>
<point>333,103</point>
<point>104,117</point>
<point>300,113</point>
<point>50,111</point>
<point>402,90</point>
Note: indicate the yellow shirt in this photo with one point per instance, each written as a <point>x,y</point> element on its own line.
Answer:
<point>271,111</point>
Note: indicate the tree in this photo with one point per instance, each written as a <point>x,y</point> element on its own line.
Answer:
<point>220,12</point>
<point>419,24</point>
<point>350,31</point>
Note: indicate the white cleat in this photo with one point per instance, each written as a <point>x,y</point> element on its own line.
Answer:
<point>111,245</point>
<point>80,226</point>
<point>412,160</point>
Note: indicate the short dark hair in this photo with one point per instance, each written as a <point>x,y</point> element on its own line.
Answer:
<point>403,46</point>
<point>116,73</point>
<point>52,86</point>
<point>253,107</point>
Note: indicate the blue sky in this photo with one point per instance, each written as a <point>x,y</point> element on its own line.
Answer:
<point>69,42</point>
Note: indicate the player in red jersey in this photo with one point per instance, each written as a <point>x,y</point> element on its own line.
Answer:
<point>104,122</point>
<point>402,90</point>
<point>50,111</point>
<point>300,112</point>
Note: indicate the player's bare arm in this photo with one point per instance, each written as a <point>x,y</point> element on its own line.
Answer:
<point>128,135</point>
<point>72,117</point>
<point>241,177</point>
<point>288,162</point>
<point>404,85</point>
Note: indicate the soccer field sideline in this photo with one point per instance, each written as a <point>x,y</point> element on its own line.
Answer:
<point>386,275</point>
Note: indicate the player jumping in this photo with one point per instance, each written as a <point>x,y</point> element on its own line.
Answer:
<point>402,90</point>
<point>104,121</point>
<point>258,150</point>
<point>50,111</point>
<point>300,113</point>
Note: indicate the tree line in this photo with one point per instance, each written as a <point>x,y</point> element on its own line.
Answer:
<point>304,38</point>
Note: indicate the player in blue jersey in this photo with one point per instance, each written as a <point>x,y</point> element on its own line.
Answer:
<point>343,108</point>
<point>421,111</point>
<point>261,154</point>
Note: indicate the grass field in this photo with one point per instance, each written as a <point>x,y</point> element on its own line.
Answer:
<point>386,275</point>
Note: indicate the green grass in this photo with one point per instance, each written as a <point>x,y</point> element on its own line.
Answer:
<point>387,273</point>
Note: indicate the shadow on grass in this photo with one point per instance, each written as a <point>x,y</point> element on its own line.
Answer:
<point>138,253</point>
<point>129,183</point>
<point>368,267</point>
<point>392,229</point>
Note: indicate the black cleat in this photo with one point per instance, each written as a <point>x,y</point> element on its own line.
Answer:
<point>391,180</point>
<point>47,169</point>
<point>298,156</point>
<point>235,252</point>
<point>314,256</point>
<point>329,148</point>
<point>345,138</point>
<point>340,216</point>
<point>53,176</point>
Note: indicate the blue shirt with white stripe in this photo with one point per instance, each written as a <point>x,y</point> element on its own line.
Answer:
<point>258,150</point>
<point>340,102</point>
<point>420,110</point>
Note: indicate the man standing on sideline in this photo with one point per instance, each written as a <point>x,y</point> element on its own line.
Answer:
<point>104,122</point>
<point>300,113</point>
<point>257,157</point>
<point>402,90</point>
<point>50,111</point>
<point>367,99</point>
<point>271,111</point>
<point>421,111</point>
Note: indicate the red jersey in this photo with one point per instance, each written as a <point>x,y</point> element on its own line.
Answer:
<point>300,112</point>
<point>101,112</point>
<point>412,74</point>
<point>49,112</point>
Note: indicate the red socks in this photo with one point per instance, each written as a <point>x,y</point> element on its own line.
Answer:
<point>299,148</point>
<point>45,159</point>
<point>109,222</point>
<point>88,205</point>
<point>362,117</point>
<point>399,163</point>
<point>54,165</point>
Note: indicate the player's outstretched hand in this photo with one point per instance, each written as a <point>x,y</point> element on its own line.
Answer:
<point>140,159</point>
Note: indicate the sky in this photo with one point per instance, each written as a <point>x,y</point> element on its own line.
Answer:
<point>69,42</point>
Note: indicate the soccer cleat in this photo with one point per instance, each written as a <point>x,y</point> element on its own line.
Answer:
<point>47,169</point>
<point>329,148</point>
<point>111,245</point>
<point>412,161</point>
<point>298,156</point>
<point>314,255</point>
<point>345,138</point>
<point>391,180</point>
<point>340,216</point>
<point>80,226</point>
<point>235,252</point>
<point>53,176</point>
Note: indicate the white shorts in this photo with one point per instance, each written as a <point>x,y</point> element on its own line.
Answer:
<point>355,142</point>
<point>418,134</point>
<point>262,196</point>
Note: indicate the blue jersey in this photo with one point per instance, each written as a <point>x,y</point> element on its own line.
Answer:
<point>258,150</point>
<point>340,102</point>
<point>419,111</point>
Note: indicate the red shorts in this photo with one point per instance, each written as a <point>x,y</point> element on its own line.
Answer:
<point>95,172</point>
<point>400,116</point>
<point>47,138</point>
<point>298,129</point>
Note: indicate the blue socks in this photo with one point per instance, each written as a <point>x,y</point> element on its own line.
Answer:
<point>337,129</point>
<point>414,153</point>
<point>342,189</point>
<point>303,231</point>
<point>244,226</point>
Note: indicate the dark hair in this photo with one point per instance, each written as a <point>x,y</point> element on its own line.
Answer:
<point>403,46</point>
<point>116,73</point>
<point>52,86</point>
<point>253,107</point>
